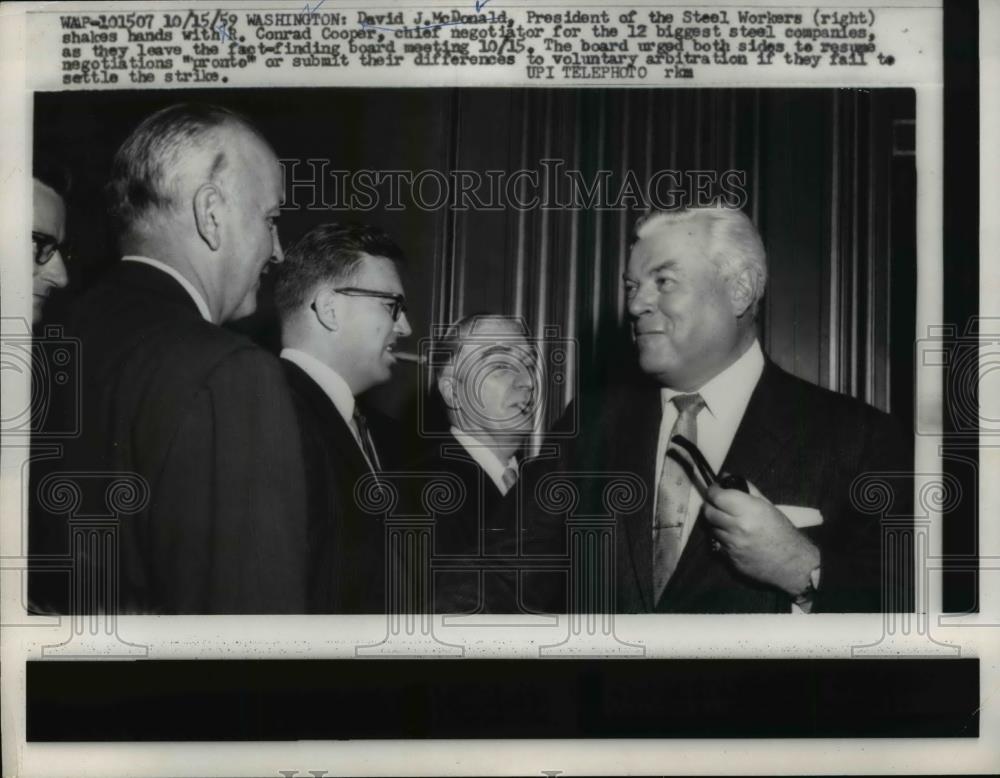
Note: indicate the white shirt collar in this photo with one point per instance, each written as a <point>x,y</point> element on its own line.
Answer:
<point>176,275</point>
<point>726,395</point>
<point>485,458</point>
<point>329,380</point>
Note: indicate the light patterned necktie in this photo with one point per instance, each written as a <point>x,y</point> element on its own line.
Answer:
<point>509,478</point>
<point>672,495</point>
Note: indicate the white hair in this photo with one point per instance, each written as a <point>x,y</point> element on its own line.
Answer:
<point>734,243</point>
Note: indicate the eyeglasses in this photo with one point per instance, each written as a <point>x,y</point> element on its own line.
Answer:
<point>397,308</point>
<point>46,246</point>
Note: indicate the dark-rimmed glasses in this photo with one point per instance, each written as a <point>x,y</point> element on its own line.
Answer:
<point>398,301</point>
<point>46,246</point>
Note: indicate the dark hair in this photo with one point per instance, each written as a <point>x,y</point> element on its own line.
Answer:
<point>141,166</point>
<point>330,252</point>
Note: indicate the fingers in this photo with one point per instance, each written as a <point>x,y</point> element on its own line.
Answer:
<point>731,501</point>
<point>720,520</point>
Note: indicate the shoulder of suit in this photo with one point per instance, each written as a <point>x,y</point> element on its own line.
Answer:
<point>238,352</point>
<point>444,454</point>
<point>188,346</point>
<point>811,402</point>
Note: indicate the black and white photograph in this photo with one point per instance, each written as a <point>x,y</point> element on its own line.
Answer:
<point>516,313</point>
<point>555,409</point>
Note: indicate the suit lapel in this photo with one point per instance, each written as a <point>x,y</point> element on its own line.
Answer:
<point>453,449</point>
<point>637,454</point>
<point>326,414</point>
<point>757,444</point>
<point>761,438</point>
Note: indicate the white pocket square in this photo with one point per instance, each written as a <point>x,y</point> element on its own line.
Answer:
<point>801,517</point>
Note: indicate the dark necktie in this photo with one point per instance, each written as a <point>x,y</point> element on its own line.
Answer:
<point>672,495</point>
<point>366,441</point>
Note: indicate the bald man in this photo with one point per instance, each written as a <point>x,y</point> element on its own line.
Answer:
<point>200,414</point>
<point>484,378</point>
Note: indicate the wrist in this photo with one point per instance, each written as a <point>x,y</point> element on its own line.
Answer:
<point>807,593</point>
<point>803,583</point>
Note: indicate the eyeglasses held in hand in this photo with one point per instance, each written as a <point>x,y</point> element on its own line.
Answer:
<point>46,246</point>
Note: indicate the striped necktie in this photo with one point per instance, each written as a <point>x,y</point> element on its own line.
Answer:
<point>366,440</point>
<point>672,497</point>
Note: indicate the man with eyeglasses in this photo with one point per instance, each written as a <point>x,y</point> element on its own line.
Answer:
<point>48,235</point>
<point>340,300</point>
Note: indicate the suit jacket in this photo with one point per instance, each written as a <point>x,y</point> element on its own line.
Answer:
<point>347,544</point>
<point>470,538</point>
<point>800,445</point>
<point>197,419</point>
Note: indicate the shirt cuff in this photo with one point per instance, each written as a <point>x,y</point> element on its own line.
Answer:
<point>804,602</point>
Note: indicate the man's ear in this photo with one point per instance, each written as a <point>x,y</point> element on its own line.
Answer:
<point>207,214</point>
<point>446,388</point>
<point>741,291</point>
<point>325,309</point>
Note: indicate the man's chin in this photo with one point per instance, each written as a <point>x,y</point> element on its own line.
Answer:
<point>655,362</point>
<point>385,371</point>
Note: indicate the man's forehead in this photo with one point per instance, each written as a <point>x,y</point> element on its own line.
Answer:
<point>378,270</point>
<point>497,325</point>
<point>481,352</point>
<point>48,210</point>
<point>667,242</point>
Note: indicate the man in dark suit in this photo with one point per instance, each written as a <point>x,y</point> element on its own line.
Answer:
<point>342,309</point>
<point>193,421</point>
<point>797,542</point>
<point>50,257</point>
<point>483,377</point>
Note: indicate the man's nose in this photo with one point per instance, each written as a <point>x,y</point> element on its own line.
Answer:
<point>642,301</point>
<point>402,326</point>
<point>277,254</point>
<point>55,270</point>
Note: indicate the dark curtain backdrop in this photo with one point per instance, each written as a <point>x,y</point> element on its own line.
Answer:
<point>831,184</point>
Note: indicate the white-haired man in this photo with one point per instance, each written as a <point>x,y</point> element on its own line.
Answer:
<point>200,414</point>
<point>795,541</point>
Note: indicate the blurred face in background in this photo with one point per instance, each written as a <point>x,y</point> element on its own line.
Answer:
<point>48,233</point>
<point>489,385</point>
